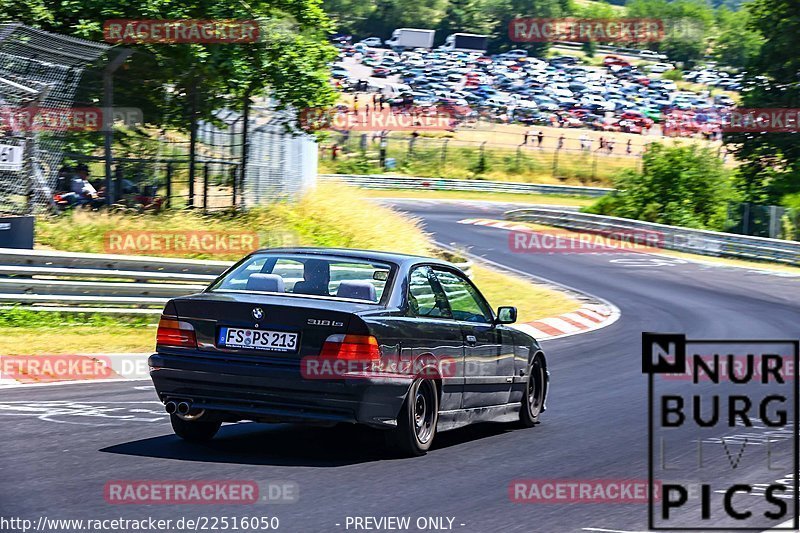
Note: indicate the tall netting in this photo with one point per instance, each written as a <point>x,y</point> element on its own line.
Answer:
<point>38,71</point>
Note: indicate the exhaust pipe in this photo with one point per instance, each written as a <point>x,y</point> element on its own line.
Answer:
<point>183,408</point>
<point>170,407</point>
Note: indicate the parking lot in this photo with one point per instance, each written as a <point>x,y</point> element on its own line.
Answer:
<point>513,88</point>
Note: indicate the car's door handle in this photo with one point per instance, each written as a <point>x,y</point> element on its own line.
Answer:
<point>471,340</point>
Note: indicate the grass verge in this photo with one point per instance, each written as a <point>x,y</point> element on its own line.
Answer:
<point>332,215</point>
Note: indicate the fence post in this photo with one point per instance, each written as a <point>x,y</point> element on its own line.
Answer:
<point>192,144</point>
<point>245,143</point>
<point>234,174</point>
<point>555,163</point>
<point>205,187</point>
<point>169,184</point>
<point>108,118</point>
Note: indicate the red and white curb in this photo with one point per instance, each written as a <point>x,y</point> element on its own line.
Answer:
<point>588,318</point>
<point>492,223</point>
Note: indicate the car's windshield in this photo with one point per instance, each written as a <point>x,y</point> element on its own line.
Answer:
<point>309,275</point>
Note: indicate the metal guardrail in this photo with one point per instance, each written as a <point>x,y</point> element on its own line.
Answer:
<point>102,283</point>
<point>81,282</point>
<point>379,181</point>
<point>713,243</point>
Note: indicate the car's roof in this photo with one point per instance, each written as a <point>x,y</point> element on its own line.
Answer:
<point>389,257</point>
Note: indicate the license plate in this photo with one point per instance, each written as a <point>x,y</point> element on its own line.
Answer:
<point>257,339</point>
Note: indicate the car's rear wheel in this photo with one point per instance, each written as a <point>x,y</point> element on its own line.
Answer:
<point>416,424</point>
<point>195,429</point>
<point>533,398</point>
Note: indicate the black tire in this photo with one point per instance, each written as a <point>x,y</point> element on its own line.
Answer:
<point>199,430</point>
<point>534,395</point>
<point>416,424</point>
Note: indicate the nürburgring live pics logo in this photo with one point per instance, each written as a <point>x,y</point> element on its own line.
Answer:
<point>722,433</point>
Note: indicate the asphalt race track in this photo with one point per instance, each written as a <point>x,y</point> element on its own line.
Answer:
<point>61,444</point>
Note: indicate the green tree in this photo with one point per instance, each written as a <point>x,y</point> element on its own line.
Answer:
<point>679,185</point>
<point>507,10</point>
<point>688,24</point>
<point>289,62</point>
<point>771,160</point>
<point>469,16</point>
<point>737,44</point>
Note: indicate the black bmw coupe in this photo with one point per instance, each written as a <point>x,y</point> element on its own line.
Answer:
<point>402,343</point>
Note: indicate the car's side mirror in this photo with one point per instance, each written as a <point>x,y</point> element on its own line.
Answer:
<point>506,315</point>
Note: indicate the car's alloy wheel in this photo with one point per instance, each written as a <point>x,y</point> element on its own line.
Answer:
<point>416,424</point>
<point>533,399</point>
<point>195,429</point>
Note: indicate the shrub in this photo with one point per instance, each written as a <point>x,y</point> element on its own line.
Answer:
<point>679,185</point>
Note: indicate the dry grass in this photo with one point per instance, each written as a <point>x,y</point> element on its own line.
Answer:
<point>76,340</point>
<point>533,301</point>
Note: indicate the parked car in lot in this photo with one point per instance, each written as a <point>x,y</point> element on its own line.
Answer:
<point>404,344</point>
<point>372,42</point>
<point>659,68</point>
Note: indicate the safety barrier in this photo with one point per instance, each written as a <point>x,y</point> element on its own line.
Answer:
<point>696,241</point>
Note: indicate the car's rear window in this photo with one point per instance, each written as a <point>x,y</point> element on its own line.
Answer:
<point>317,275</point>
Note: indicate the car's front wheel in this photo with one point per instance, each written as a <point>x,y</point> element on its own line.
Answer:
<point>416,424</point>
<point>194,429</point>
<point>533,399</point>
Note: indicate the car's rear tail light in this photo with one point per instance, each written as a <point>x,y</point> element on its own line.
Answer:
<point>351,347</point>
<point>175,333</point>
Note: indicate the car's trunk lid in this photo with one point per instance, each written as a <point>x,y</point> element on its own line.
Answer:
<point>312,319</point>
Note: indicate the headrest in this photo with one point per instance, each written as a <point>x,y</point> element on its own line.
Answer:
<point>265,283</point>
<point>357,290</point>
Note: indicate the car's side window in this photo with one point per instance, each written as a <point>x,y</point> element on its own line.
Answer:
<point>424,298</point>
<point>465,302</point>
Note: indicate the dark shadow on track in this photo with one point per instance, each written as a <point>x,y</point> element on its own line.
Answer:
<point>292,445</point>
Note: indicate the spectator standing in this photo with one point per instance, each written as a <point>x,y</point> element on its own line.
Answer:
<point>628,147</point>
<point>540,137</point>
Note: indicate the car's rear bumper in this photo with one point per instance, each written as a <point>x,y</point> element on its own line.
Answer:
<point>246,391</point>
